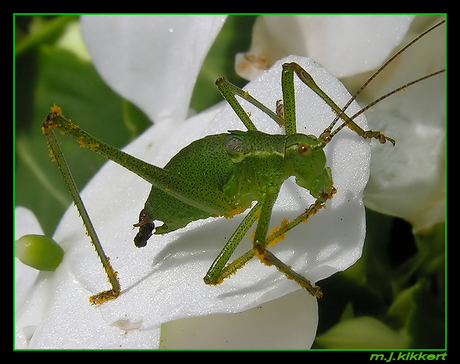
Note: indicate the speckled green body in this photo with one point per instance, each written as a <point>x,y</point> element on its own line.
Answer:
<point>245,166</point>
<point>226,162</point>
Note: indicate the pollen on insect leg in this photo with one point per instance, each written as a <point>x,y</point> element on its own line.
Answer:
<point>52,155</point>
<point>103,297</point>
<point>275,240</point>
<point>82,142</point>
<point>56,110</point>
<point>262,255</point>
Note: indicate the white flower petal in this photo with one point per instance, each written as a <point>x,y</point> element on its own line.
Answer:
<point>408,180</point>
<point>151,60</point>
<point>164,281</point>
<point>25,223</point>
<point>332,40</point>
<point>262,327</point>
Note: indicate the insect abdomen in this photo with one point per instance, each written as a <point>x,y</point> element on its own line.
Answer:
<point>204,161</point>
<point>240,164</point>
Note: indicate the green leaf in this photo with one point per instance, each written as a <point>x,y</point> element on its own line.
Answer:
<point>362,333</point>
<point>423,313</point>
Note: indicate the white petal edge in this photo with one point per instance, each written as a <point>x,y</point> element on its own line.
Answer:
<point>288,322</point>
<point>151,60</point>
<point>344,44</point>
<point>163,282</point>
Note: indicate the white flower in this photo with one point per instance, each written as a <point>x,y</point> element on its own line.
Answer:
<point>162,286</point>
<point>407,181</point>
<point>344,44</point>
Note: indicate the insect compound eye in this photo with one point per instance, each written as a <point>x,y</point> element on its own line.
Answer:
<point>304,149</point>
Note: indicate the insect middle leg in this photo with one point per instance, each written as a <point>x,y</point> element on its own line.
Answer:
<point>261,212</point>
<point>219,270</point>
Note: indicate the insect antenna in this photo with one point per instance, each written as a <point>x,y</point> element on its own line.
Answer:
<point>327,134</point>
<point>381,98</point>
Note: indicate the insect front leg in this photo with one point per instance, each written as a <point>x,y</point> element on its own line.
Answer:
<point>326,136</point>
<point>279,234</point>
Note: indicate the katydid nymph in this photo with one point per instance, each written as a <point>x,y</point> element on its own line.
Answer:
<point>228,173</point>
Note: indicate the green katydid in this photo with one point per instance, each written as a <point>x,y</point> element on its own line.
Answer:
<point>218,185</point>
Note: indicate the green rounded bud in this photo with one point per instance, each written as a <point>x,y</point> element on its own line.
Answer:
<point>39,252</point>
